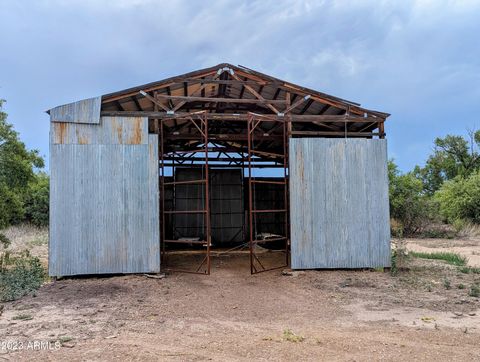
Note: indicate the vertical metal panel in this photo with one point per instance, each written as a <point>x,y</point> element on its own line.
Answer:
<point>84,111</point>
<point>104,205</point>
<point>339,203</point>
<point>110,131</point>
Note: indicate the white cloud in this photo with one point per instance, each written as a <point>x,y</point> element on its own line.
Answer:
<point>418,60</point>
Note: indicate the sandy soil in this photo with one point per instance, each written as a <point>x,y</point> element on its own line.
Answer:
<point>470,248</point>
<point>230,315</point>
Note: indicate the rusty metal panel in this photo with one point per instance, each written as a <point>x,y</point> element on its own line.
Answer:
<point>84,111</point>
<point>104,208</point>
<point>339,203</point>
<point>110,130</point>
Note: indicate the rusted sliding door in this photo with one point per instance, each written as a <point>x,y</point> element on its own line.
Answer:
<point>262,257</point>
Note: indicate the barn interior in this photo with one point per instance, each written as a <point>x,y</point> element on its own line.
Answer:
<point>223,141</point>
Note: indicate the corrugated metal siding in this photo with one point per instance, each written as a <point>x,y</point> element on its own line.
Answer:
<point>104,205</point>
<point>113,131</point>
<point>84,111</point>
<point>226,205</point>
<point>339,203</point>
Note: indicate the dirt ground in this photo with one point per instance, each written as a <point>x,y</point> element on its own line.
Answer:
<point>470,248</point>
<point>230,315</point>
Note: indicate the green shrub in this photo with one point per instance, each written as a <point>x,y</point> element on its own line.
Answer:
<point>4,241</point>
<point>447,284</point>
<point>409,205</point>
<point>11,206</point>
<point>459,199</point>
<point>19,276</point>
<point>36,201</point>
<point>474,291</point>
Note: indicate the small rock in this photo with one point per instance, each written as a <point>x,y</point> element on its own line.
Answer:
<point>110,337</point>
<point>472,314</point>
<point>458,314</point>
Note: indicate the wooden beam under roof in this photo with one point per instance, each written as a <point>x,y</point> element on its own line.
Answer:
<point>137,103</point>
<point>244,116</point>
<point>256,94</point>
<point>306,106</point>
<point>227,81</point>
<point>223,100</point>
<point>250,76</point>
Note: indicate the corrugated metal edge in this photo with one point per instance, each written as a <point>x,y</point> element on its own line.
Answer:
<point>83,111</point>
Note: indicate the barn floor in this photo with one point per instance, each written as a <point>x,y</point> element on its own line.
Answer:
<point>230,315</point>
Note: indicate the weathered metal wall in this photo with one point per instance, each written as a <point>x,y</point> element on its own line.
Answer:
<point>103,198</point>
<point>339,205</point>
<point>84,111</point>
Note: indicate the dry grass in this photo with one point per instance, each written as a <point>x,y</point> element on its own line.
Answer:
<point>289,336</point>
<point>469,230</point>
<point>26,236</point>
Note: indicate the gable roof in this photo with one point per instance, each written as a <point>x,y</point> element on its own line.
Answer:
<point>228,81</point>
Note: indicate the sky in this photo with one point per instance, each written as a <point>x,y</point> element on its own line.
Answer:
<point>418,60</point>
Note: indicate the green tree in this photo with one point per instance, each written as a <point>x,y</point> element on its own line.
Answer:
<point>459,199</point>
<point>409,205</point>
<point>452,156</point>
<point>17,171</point>
<point>36,200</point>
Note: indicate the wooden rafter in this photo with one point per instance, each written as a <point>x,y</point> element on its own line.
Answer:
<point>256,94</point>
<point>154,100</point>
<point>137,103</point>
<point>224,100</point>
<point>242,116</point>
<point>296,104</point>
<point>247,77</point>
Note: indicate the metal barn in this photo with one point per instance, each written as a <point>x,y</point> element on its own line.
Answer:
<point>220,158</point>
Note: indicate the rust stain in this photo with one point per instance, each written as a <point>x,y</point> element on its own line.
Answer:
<point>136,137</point>
<point>119,129</point>
<point>301,164</point>
<point>81,140</point>
<point>60,131</point>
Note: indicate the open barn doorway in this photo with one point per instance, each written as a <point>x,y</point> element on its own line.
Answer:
<point>223,192</point>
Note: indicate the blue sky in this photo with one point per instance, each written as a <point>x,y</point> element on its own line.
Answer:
<point>418,60</point>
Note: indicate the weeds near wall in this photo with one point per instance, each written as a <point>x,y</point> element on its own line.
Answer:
<point>19,275</point>
<point>399,257</point>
